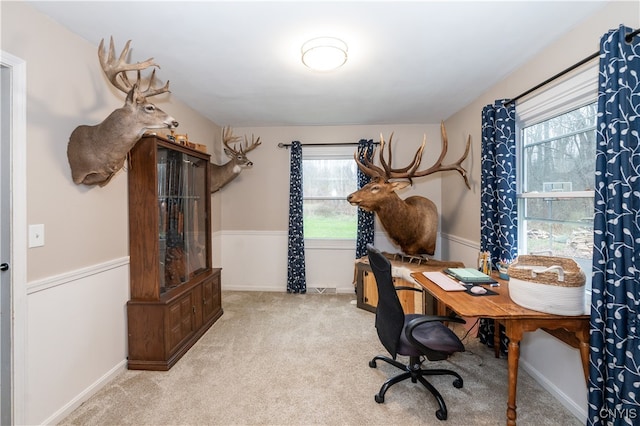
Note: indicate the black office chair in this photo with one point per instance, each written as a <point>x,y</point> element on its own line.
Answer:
<point>412,335</point>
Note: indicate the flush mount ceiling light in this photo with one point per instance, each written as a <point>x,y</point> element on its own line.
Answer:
<point>324,53</point>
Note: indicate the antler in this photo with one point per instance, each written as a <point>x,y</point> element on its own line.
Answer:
<point>254,144</point>
<point>409,172</point>
<point>228,137</point>
<point>116,70</point>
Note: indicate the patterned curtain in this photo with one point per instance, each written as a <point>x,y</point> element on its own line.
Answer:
<point>296,276</point>
<point>365,219</point>
<point>498,206</point>
<point>614,373</point>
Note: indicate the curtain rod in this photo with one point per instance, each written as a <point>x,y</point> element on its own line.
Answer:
<point>627,38</point>
<point>287,145</point>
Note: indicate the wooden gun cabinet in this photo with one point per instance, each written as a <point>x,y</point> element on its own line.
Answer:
<point>175,292</point>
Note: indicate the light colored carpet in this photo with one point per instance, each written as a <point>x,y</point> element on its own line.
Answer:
<point>285,359</point>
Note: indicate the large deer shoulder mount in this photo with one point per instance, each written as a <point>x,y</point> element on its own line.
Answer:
<point>96,153</point>
<point>412,223</point>
<point>238,161</point>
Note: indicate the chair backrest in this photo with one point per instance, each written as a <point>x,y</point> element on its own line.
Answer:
<point>389,313</point>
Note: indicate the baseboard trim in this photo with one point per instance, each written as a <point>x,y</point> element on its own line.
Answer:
<point>543,381</point>
<point>310,290</point>
<point>67,409</point>
<point>78,274</point>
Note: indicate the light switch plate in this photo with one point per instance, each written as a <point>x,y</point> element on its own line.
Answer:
<point>36,235</point>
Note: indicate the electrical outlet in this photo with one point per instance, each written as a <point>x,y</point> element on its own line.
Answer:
<point>36,235</point>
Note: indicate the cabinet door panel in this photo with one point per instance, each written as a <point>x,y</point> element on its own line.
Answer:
<point>180,321</point>
<point>211,297</point>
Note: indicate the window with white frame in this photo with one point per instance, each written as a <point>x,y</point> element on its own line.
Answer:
<point>556,146</point>
<point>329,174</point>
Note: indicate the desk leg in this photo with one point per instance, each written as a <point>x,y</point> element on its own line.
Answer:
<point>583,337</point>
<point>514,333</point>
<point>496,338</point>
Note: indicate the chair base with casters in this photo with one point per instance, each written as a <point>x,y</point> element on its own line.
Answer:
<point>418,337</point>
<point>414,372</point>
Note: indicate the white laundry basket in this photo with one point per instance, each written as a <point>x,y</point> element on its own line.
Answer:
<point>554,285</point>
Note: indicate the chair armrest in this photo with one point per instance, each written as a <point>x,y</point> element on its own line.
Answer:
<point>431,318</point>
<point>402,287</point>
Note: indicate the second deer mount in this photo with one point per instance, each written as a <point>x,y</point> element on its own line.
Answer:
<point>238,160</point>
<point>221,175</point>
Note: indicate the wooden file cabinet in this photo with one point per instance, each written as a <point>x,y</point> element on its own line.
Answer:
<point>412,301</point>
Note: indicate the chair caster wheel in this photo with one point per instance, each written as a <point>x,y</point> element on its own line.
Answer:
<point>372,364</point>
<point>457,383</point>
<point>441,415</point>
<point>380,399</point>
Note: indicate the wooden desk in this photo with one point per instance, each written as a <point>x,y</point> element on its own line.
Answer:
<point>516,321</point>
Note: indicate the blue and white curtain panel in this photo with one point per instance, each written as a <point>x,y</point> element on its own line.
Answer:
<point>366,219</point>
<point>498,213</point>
<point>296,274</point>
<point>614,372</point>
<point>498,204</point>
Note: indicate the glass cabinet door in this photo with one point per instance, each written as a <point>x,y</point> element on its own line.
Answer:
<point>182,217</point>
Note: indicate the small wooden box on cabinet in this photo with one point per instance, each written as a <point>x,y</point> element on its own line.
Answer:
<point>175,293</point>
<point>412,302</point>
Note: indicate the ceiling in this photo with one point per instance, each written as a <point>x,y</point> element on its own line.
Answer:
<point>238,62</point>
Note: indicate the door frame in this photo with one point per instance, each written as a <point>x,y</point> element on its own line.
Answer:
<point>18,231</point>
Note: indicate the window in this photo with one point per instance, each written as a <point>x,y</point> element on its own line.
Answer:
<point>329,174</point>
<point>556,169</point>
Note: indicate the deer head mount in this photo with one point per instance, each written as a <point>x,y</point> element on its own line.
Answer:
<point>411,223</point>
<point>96,153</point>
<point>222,175</point>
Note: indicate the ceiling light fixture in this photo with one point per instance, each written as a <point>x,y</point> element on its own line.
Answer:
<point>324,53</point>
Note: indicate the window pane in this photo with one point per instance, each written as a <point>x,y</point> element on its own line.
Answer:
<point>578,210</point>
<point>559,154</point>
<point>334,219</point>
<point>327,182</point>
<point>329,177</point>
<point>559,227</point>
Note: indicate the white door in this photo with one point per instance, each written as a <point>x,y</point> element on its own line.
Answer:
<point>13,238</point>
<point>5,234</point>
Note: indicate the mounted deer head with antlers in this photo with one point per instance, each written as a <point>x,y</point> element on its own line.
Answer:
<point>96,153</point>
<point>412,223</point>
<point>222,175</point>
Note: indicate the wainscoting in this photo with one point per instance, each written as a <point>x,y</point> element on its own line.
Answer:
<point>257,261</point>
<point>76,337</point>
